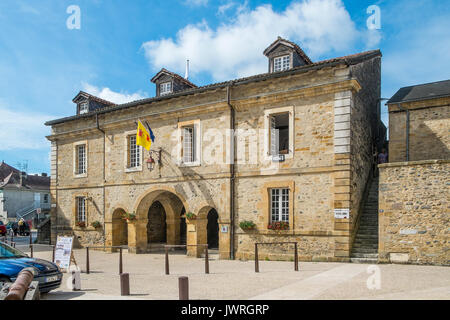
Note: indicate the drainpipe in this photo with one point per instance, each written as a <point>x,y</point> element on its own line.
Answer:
<point>232,170</point>
<point>407,129</point>
<point>104,177</point>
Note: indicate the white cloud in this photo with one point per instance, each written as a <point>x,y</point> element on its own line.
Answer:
<point>235,49</point>
<point>196,2</point>
<point>112,96</point>
<point>23,130</point>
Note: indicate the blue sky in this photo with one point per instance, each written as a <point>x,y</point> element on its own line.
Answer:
<point>122,44</point>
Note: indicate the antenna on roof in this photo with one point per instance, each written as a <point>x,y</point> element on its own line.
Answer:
<point>186,75</point>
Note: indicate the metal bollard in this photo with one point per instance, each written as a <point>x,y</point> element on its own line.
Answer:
<point>31,238</point>
<point>19,288</point>
<point>124,284</point>
<point>31,250</point>
<point>206,260</point>
<point>87,260</point>
<point>256,258</point>
<point>53,254</point>
<point>183,288</point>
<point>120,261</point>
<point>296,258</point>
<point>167,260</point>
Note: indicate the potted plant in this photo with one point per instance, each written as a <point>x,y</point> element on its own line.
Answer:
<point>81,224</point>
<point>129,216</point>
<point>278,225</point>
<point>191,216</point>
<point>247,225</point>
<point>96,224</point>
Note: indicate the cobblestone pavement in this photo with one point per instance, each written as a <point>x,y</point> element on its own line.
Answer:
<point>237,279</point>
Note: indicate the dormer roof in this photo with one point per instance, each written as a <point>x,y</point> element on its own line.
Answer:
<point>174,75</point>
<point>290,44</point>
<point>88,96</point>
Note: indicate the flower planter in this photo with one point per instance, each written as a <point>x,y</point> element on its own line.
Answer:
<point>278,226</point>
<point>247,226</point>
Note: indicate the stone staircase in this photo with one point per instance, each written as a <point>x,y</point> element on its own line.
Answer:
<point>365,245</point>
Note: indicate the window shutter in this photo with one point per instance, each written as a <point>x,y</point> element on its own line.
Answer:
<point>273,137</point>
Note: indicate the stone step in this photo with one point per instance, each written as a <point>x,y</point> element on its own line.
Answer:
<point>364,260</point>
<point>366,251</point>
<point>367,236</point>
<point>365,246</point>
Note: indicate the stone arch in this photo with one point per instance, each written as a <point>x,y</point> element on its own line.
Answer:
<point>119,228</point>
<point>171,202</point>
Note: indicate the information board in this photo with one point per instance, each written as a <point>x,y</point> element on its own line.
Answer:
<point>341,213</point>
<point>63,251</point>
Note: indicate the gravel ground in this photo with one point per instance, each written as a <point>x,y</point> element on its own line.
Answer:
<point>237,279</point>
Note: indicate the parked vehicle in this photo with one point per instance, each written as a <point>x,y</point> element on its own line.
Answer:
<point>12,261</point>
<point>3,230</point>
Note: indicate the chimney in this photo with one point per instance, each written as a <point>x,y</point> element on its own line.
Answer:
<point>44,174</point>
<point>186,75</point>
<point>23,176</point>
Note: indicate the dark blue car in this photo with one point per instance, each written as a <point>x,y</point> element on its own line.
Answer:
<point>12,261</point>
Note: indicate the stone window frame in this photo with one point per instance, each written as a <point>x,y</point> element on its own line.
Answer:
<point>87,200</point>
<point>197,144</point>
<point>75,159</point>
<point>267,114</point>
<point>266,201</point>
<point>128,169</point>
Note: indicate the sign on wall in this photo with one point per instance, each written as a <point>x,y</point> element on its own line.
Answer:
<point>342,213</point>
<point>224,229</point>
<point>63,251</point>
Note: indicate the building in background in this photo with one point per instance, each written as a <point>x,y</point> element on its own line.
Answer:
<point>22,195</point>
<point>313,126</point>
<point>414,198</point>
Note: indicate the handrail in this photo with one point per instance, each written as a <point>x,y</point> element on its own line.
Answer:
<point>167,246</point>
<point>288,242</point>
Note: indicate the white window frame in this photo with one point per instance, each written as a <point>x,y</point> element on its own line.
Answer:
<point>84,107</point>
<point>165,88</point>
<point>284,62</point>
<point>279,201</point>
<point>195,124</point>
<point>268,113</point>
<point>76,173</point>
<point>81,209</point>
<point>127,154</point>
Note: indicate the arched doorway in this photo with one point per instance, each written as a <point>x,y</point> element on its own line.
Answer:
<point>156,226</point>
<point>213,229</point>
<point>119,229</point>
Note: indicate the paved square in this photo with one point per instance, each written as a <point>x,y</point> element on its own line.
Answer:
<point>237,279</point>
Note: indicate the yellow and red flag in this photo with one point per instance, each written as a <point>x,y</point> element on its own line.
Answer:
<point>143,137</point>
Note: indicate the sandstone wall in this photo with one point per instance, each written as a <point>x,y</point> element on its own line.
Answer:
<point>429,133</point>
<point>414,205</point>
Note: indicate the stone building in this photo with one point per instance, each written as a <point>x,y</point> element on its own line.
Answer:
<point>293,145</point>
<point>414,187</point>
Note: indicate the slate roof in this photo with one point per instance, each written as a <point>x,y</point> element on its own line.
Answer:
<point>173,74</point>
<point>10,176</point>
<point>280,40</point>
<point>422,92</point>
<point>90,96</point>
<point>348,60</point>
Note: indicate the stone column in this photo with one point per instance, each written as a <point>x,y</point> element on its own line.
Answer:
<point>173,231</point>
<point>137,235</point>
<point>196,234</point>
<point>224,240</point>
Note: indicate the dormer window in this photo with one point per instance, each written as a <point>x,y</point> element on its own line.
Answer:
<point>282,63</point>
<point>84,107</point>
<point>165,88</point>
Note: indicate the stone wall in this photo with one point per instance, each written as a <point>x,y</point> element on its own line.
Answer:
<point>429,133</point>
<point>414,204</point>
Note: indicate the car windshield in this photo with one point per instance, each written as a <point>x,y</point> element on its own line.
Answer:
<point>7,252</point>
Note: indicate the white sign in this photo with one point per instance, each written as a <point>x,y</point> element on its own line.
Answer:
<point>341,213</point>
<point>224,229</point>
<point>63,251</point>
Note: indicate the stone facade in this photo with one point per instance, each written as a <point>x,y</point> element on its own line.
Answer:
<point>414,205</point>
<point>327,106</point>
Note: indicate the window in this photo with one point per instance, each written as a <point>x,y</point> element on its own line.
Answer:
<point>188,149</point>
<point>279,133</point>
<point>282,63</point>
<point>45,198</point>
<point>134,152</point>
<point>81,159</point>
<point>165,88</point>
<point>279,205</point>
<point>84,107</point>
<point>81,209</point>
